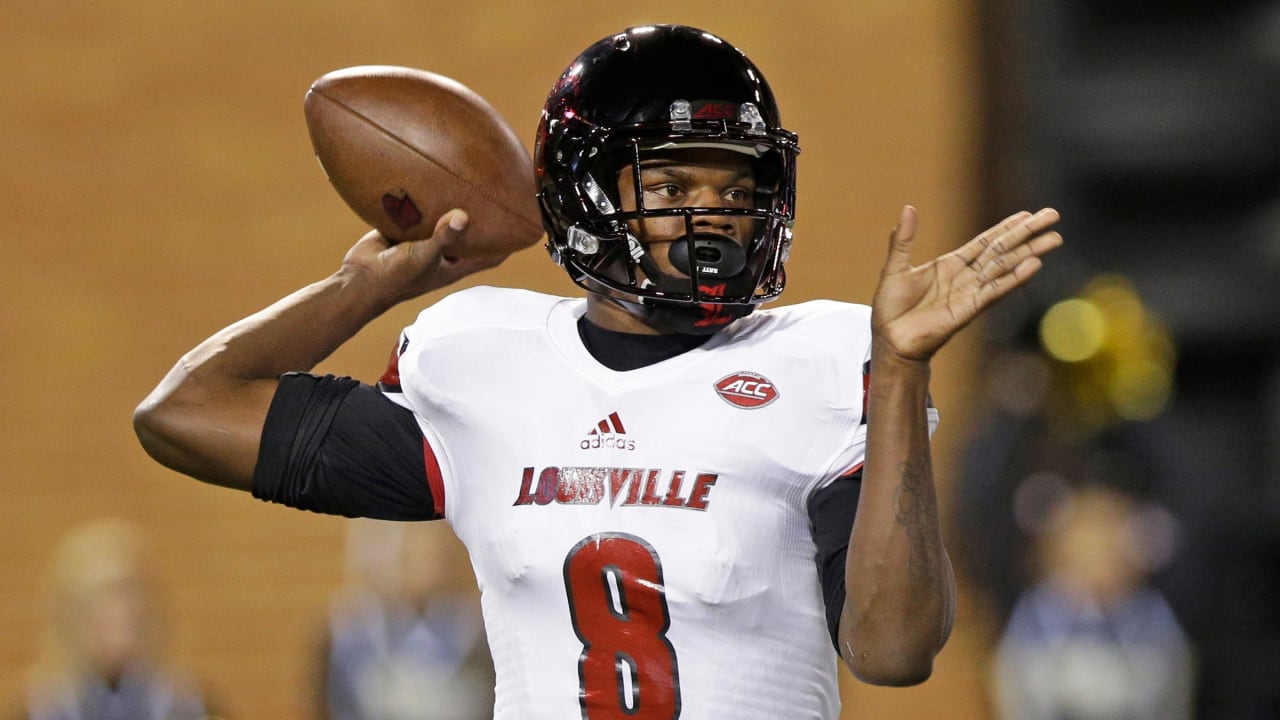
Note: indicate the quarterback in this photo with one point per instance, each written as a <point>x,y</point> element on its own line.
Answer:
<point>701,503</point>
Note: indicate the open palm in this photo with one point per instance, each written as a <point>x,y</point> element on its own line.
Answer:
<point>916,309</point>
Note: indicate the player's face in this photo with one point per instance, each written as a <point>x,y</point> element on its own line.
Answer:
<point>700,177</point>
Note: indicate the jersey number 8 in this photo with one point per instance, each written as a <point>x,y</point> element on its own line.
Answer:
<point>618,606</point>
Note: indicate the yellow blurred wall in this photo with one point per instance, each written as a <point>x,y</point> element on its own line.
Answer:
<point>158,184</point>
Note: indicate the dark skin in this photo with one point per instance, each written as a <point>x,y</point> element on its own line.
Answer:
<point>205,417</point>
<point>899,613</point>
<point>691,178</point>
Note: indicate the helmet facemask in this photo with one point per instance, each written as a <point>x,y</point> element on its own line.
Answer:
<point>716,278</point>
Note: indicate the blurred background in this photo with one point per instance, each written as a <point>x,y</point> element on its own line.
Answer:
<point>158,184</point>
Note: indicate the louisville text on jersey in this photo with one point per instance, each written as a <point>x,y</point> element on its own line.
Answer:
<point>615,486</point>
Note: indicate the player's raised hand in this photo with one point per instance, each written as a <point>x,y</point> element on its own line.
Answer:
<point>404,270</point>
<point>918,308</point>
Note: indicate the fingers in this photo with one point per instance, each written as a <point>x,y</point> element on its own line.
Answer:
<point>1000,249</point>
<point>1008,254</point>
<point>1008,271</point>
<point>971,251</point>
<point>1005,235</point>
<point>997,286</point>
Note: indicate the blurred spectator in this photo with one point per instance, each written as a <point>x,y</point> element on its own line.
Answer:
<point>404,639</point>
<point>102,658</point>
<point>1093,639</point>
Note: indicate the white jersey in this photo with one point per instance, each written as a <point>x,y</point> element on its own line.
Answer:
<point>641,538</point>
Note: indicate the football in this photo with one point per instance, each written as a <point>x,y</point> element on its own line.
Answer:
<point>403,146</point>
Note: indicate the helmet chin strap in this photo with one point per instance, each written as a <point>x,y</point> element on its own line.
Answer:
<point>683,319</point>
<point>721,265</point>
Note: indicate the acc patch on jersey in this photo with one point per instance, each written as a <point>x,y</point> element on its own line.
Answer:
<point>746,390</point>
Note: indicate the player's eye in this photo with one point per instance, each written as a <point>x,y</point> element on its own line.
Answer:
<point>664,190</point>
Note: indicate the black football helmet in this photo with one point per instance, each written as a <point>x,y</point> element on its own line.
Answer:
<point>660,88</point>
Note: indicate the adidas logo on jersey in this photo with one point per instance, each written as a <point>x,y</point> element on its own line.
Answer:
<point>608,434</point>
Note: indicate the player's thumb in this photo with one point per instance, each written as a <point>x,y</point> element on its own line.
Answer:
<point>904,232</point>
<point>449,230</point>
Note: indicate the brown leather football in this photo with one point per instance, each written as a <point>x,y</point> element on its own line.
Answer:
<point>403,146</point>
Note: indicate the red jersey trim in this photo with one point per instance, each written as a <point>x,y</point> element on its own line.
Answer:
<point>850,471</point>
<point>434,480</point>
<point>391,376</point>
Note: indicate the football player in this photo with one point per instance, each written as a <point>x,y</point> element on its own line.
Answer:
<point>676,504</point>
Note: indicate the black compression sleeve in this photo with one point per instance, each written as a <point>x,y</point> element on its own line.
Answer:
<point>333,445</point>
<point>831,512</point>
